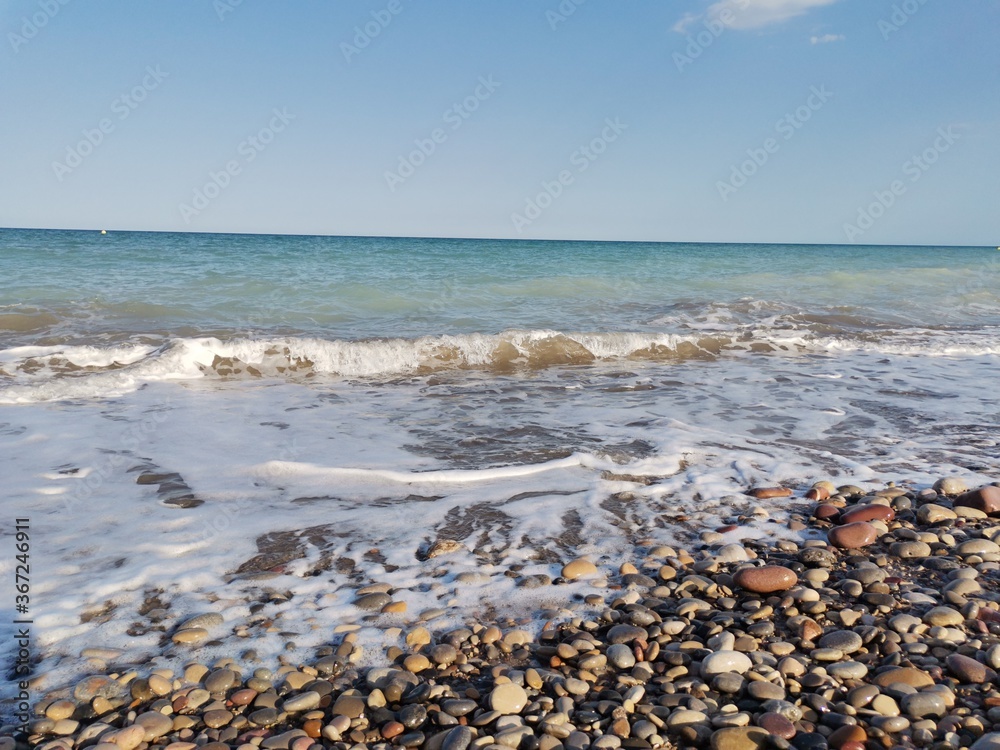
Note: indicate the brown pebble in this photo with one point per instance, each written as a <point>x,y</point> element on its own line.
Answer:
<point>871,512</point>
<point>986,499</point>
<point>968,670</point>
<point>313,728</point>
<point>768,493</point>
<point>839,737</point>
<point>826,512</point>
<point>776,724</point>
<point>853,535</point>
<point>905,675</point>
<point>392,729</point>
<point>767,579</point>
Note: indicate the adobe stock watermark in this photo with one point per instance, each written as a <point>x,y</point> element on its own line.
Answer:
<point>561,13</point>
<point>900,16</point>
<point>366,34</point>
<point>553,189</point>
<point>248,150</point>
<point>224,7</point>
<point>31,26</point>
<point>786,128</point>
<point>914,168</point>
<point>454,117</point>
<point>713,28</point>
<point>122,106</point>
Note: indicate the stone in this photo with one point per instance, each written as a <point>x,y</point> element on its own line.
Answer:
<point>739,738</point>
<point>931,513</point>
<point>621,656</point>
<point>725,661</point>
<point>776,724</point>
<point>220,681</point>
<point>579,568</point>
<point>508,699</point>
<point>458,738</point>
<point>910,549</point>
<point>626,633</point>
<point>986,499</point>
<point>351,706</point>
<point>306,701</point>
<point>766,580</point>
<point>923,705</point>
<point>189,635</point>
<point>905,675</point>
<point>372,602</point>
<point>968,670</point>
<point>943,616</point>
<point>852,535</point>
<point>847,734</point>
<point>208,620</point>
<point>978,547</point>
<point>98,686</point>
<point>444,547</point>
<point>769,493</point>
<point>155,724</point>
<point>869,512</point>
<point>951,486</point>
<point>846,641</point>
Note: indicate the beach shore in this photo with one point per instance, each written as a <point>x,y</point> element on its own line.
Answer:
<point>872,620</point>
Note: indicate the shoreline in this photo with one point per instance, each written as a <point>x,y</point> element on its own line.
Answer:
<point>885,634</point>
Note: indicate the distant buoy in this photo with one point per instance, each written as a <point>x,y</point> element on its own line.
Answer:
<point>105,231</point>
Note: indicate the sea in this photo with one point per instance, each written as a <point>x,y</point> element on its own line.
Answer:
<point>261,426</point>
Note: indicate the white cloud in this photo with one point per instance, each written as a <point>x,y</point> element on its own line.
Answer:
<point>751,14</point>
<point>827,38</point>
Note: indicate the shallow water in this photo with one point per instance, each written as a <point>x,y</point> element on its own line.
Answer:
<point>330,407</point>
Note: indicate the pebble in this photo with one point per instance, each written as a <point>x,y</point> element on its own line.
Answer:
<point>766,580</point>
<point>853,535</point>
<point>580,568</point>
<point>725,661</point>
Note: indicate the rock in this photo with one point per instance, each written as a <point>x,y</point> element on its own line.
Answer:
<point>739,738</point>
<point>766,580</point>
<point>950,486</point>
<point>306,701</point>
<point>372,602</point>
<point>843,737</point>
<point>926,704</point>
<point>220,681</point>
<point>776,724</point>
<point>155,724</point>
<point>189,635</point>
<point>846,641</point>
<point>968,670</point>
<point>853,535</point>
<point>207,620</point>
<point>905,675</point>
<point>458,738</point>
<point>579,568</point>
<point>930,514</point>
<point>621,656</point>
<point>989,741</point>
<point>910,549</point>
<point>769,493</point>
<point>986,499</point>
<point>351,706</point>
<point>98,686</point>
<point>626,633</point>
<point>443,547</point>
<point>725,661</point>
<point>870,512</point>
<point>508,699</point>
<point>978,547</point>
<point>943,616</point>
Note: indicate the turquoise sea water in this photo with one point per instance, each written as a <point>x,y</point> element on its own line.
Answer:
<point>533,401</point>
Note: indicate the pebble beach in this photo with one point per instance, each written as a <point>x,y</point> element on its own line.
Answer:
<point>874,624</point>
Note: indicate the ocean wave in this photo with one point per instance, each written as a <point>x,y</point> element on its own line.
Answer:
<point>64,372</point>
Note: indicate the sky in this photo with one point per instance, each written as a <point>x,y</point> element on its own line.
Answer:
<point>813,121</point>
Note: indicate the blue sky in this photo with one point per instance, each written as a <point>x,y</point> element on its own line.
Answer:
<point>690,120</point>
